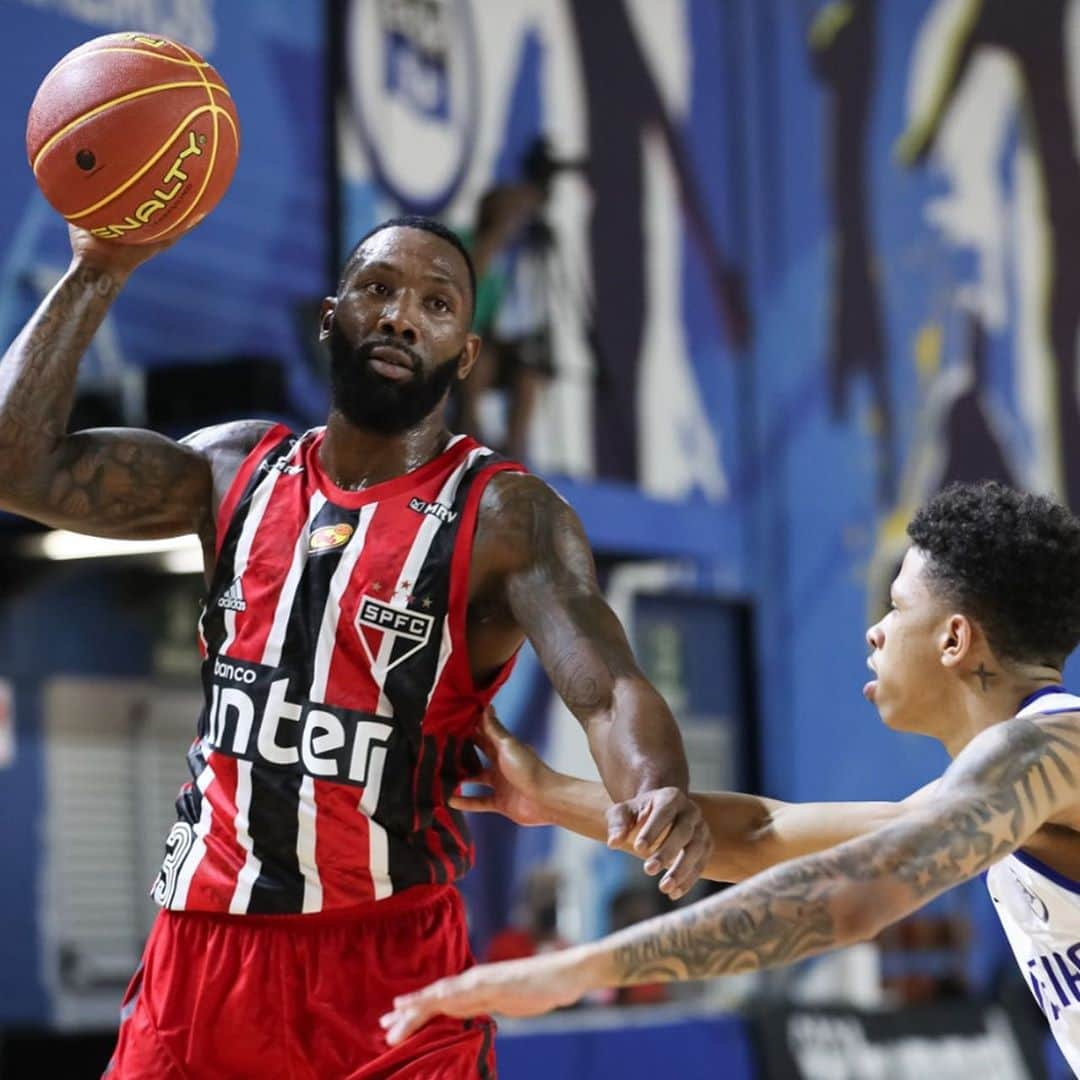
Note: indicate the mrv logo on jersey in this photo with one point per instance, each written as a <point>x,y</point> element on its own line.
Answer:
<point>435,509</point>
<point>251,716</point>
<point>390,635</point>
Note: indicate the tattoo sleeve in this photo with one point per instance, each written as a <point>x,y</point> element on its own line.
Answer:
<point>553,595</point>
<point>1006,784</point>
<point>112,482</point>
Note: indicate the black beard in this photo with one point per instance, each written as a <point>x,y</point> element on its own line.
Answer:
<point>370,401</point>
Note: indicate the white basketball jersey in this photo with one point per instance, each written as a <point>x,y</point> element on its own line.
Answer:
<point>1040,911</point>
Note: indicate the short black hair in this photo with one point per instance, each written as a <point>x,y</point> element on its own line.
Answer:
<point>424,224</point>
<point>1011,561</point>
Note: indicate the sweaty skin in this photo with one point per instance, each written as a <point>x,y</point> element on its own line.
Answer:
<point>532,574</point>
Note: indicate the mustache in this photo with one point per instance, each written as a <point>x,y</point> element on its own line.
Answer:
<point>365,349</point>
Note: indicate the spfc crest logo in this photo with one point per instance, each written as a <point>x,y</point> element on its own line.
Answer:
<point>390,635</point>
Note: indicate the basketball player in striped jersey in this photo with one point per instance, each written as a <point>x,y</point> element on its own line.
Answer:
<point>985,610</point>
<point>369,584</point>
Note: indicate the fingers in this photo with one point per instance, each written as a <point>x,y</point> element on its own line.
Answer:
<point>678,835</point>
<point>679,881</point>
<point>450,997</point>
<point>492,726</point>
<point>660,817</point>
<point>490,733</point>
<point>621,819</point>
<point>673,835</point>
<point>410,1011</point>
<point>479,802</point>
<point>475,804</point>
<point>688,865</point>
<point>402,1022</point>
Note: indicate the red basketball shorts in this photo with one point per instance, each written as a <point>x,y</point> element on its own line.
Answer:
<point>298,997</point>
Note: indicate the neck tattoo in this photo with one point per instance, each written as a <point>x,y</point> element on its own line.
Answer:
<point>983,675</point>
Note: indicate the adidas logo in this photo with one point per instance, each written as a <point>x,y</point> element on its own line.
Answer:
<point>233,597</point>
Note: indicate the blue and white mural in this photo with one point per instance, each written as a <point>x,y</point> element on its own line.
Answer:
<point>442,103</point>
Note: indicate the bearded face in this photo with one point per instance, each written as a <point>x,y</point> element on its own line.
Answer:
<point>381,385</point>
<point>399,329</point>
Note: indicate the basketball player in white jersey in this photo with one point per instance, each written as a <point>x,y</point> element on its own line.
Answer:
<point>985,611</point>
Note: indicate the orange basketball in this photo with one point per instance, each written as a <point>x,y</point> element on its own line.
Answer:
<point>133,137</point>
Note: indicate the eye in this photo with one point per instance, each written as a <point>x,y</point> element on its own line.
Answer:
<point>374,288</point>
<point>439,304</point>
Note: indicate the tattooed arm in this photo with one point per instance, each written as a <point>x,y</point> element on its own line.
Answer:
<point>1006,784</point>
<point>533,545</point>
<point>109,482</point>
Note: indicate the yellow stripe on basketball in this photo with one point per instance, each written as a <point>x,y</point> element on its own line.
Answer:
<point>191,116</point>
<point>127,49</point>
<point>217,109</point>
<point>118,101</point>
<point>208,174</point>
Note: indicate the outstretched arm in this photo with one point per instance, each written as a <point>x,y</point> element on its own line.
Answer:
<point>1005,785</point>
<point>536,548</point>
<point>750,833</point>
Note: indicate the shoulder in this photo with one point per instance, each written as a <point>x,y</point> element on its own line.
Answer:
<point>523,523</point>
<point>515,499</point>
<point>225,446</point>
<point>1059,726</point>
<point>520,509</point>
<point>1015,750</point>
<point>234,437</point>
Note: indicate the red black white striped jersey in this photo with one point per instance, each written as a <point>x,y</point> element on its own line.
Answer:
<point>339,695</point>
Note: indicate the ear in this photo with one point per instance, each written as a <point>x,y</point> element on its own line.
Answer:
<point>472,353</point>
<point>958,639</point>
<point>326,316</point>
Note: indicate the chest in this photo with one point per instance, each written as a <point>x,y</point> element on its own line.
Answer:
<point>318,584</point>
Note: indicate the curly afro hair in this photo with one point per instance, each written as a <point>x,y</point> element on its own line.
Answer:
<point>1009,560</point>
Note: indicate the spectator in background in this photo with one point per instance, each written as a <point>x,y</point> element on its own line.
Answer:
<point>534,925</point>
<point>511,244</point>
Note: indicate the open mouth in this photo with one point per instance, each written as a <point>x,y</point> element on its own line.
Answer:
<point>870,689</point>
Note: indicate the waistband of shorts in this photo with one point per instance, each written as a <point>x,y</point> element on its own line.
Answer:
<point>414,900</point>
